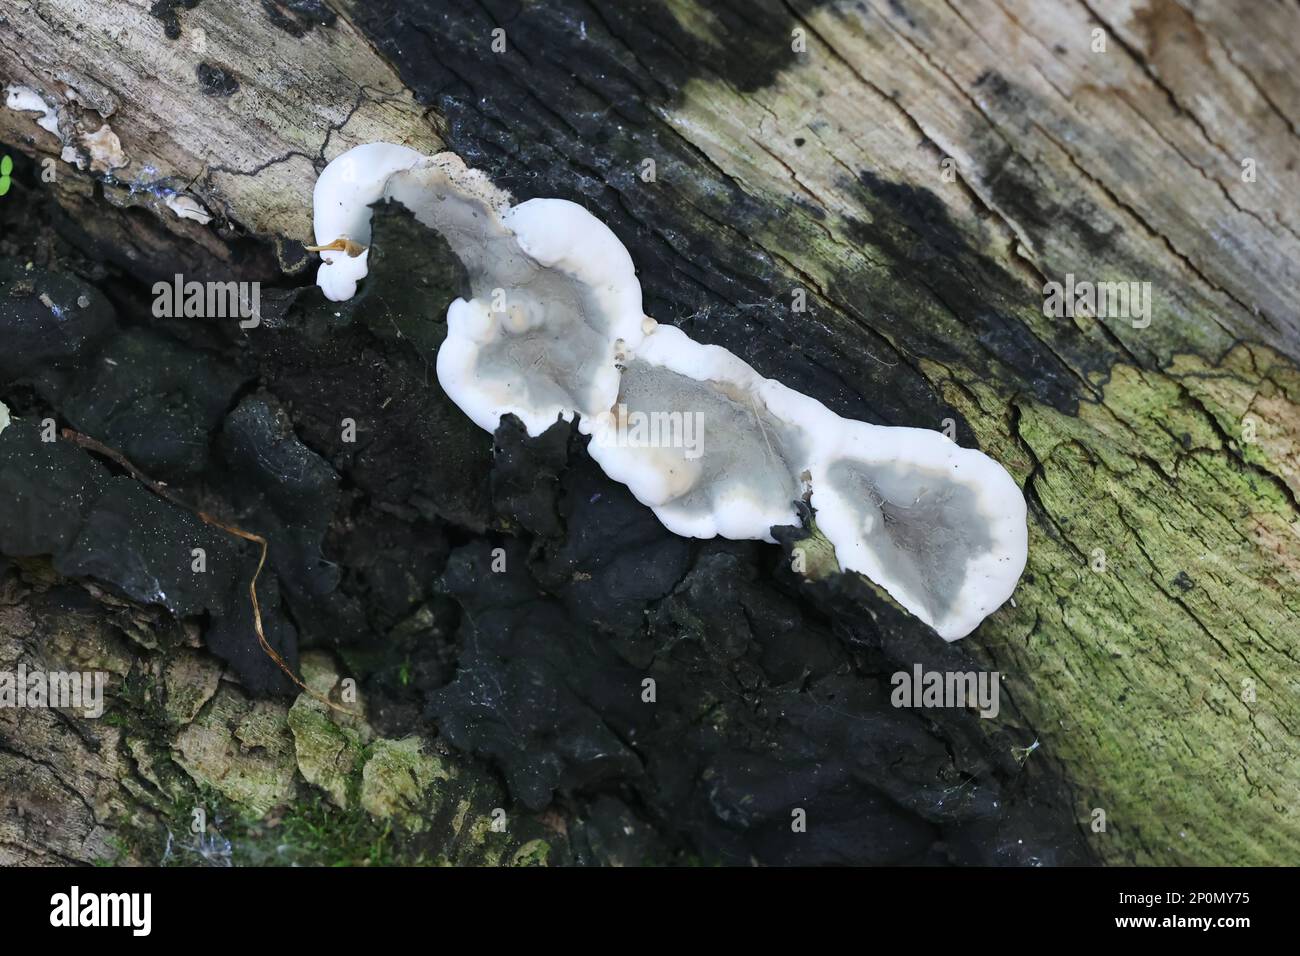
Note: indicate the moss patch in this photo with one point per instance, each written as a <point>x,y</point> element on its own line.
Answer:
<point>1152,645</point>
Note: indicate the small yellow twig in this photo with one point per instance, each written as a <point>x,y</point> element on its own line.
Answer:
<point>342,244</point>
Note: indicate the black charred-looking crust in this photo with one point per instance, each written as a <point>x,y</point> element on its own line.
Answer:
<point>530,596</point>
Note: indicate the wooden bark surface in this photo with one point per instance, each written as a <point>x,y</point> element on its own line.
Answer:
<point>920,170</point>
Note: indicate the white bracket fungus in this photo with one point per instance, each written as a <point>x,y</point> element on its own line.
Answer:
<point>554,330</point>
<point>555,305</point>
<point>719,462</point>
<point>102,147</point>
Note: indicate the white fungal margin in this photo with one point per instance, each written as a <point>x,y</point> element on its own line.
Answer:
<point>553,330</point>
<point>942,528</point>
<point>24,99</point>
<point>341,210</point>
<point>187,207</point>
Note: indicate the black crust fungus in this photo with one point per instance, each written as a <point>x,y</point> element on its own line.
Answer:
<point>691,695</point>
<point>215,81</point>
<point>166,11</point>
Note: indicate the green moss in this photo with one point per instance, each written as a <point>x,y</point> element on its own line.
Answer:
<point>532,853</point>
<point>315,833</point>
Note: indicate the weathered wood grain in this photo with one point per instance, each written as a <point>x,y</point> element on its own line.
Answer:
<point>247,148</point>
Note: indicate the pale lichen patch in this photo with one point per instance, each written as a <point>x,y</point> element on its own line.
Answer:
<point>241,749</point>
<point>397,779</point>
<point>1154,617</point>
<point>104,149</point>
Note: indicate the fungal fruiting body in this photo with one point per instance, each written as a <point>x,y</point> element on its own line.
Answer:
<point>341,212</point>
<point>24,99</point>
<point>186,207</point>
<point>554,330</point>
<point>555,299</point>
<point>720,462</point>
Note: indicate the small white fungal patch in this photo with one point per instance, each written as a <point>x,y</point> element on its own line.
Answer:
<point>554,330</point>
<point>4,417</point>
<point>24,99</point>
<point>186,207</point>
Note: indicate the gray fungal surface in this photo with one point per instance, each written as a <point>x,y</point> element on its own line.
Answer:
<point>470,221</point>
<point>739,448</point>
<point>924,525</point>
<point>540,334</point>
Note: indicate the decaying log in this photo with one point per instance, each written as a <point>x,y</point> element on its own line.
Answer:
<point>917,172</point>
